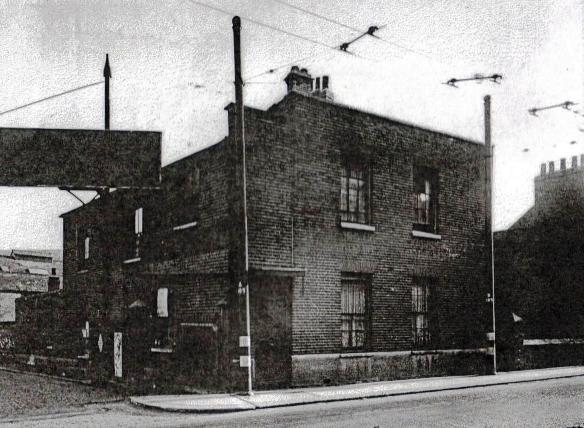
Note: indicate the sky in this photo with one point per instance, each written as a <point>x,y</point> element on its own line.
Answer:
<point>172,67</point>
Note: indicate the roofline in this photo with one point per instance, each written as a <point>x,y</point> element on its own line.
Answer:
<point>196,152</point>
<point>377,115</point>
<point>80,129</point>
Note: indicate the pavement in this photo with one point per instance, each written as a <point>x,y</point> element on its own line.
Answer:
<point>223,403</point>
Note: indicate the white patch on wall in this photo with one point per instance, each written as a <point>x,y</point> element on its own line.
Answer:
<point>162,303</point>
<point>8,306</point>
<point>117,354</point>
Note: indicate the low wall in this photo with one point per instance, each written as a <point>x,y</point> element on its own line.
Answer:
<point>72,368</point>
<point>541,354</point>
<point>330,369</point>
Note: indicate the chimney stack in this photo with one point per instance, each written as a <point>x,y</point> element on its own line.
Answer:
<point>299,81</point>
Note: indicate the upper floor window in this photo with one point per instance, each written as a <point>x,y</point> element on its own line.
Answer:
<point>354,316</point>
<point>426,199</point>
<point>355,198</point>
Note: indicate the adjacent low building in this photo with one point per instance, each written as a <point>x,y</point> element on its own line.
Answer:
<point>23,273</point>
<point>539,264</point>
<point>368,256</point>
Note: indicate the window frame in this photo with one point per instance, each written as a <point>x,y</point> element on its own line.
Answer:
<point>426,287</point>
<point>350,171</point>
<point>347,279</point>
<point>430,179</point>
<point>163,331</point>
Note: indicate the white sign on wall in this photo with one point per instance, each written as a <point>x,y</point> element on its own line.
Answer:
<point>162,303</point>
<point>118,354</point>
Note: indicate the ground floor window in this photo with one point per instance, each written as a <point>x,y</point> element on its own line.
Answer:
<point>421,289</point>
<point>354,290</point>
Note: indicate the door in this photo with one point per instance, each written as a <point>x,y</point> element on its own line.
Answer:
<point>271,321</point>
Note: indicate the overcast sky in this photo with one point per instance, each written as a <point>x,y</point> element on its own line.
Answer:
<point>172,66</point>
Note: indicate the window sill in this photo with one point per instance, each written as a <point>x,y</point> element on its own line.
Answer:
<point>82,271</point>
<point>162,350</point>
<point>127,262</point>
<point>426,235</point>
<point>346,353</point>
<point>185,226</point>
<point>357,226</point>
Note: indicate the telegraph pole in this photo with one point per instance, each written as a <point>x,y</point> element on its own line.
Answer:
<point>489,223</point>
<point>240,143</point>
<point>489,154</point>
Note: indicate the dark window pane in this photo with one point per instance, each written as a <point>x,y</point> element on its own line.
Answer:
<point>354,194</point>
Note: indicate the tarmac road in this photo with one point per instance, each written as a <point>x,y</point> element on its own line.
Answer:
<point>551,403</point>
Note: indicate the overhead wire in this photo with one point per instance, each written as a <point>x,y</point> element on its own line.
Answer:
<point>79,88</point>
<point>287,64</point>
<point>374,36</point>
<point>309,12</point>
<point>262,24</point>
<point>349,27</point>
<point>277,29</point>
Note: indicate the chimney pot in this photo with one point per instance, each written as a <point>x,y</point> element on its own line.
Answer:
<point>563,164</point>
<point>304,70</point>
<point>574,162</point>
<point>542,169</point>
<point>295,68</point>
<point>317,84</point>
<point>325,82</point>
<point>551,166</point>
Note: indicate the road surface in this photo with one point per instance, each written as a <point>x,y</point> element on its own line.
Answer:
<point>551,403</point>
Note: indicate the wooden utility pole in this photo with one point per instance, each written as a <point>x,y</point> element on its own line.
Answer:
<point>240,144</point>
<point>489,218</point>
<point>107,74</point>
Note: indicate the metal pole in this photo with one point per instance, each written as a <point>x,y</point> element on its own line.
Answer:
<point>490,199</point>
<point>107,74</point>
<point>240,133</point>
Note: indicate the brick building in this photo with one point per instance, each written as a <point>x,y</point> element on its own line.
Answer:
<point>539,269</point>
<point>367,252</point>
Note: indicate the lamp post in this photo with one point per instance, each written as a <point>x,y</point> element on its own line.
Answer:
<point>489,157</point>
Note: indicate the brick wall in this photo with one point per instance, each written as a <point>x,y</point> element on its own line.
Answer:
<point>294,155</point>
<point>294,161</point>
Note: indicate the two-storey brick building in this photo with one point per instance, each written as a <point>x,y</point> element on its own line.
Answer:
<point>367,255</point>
